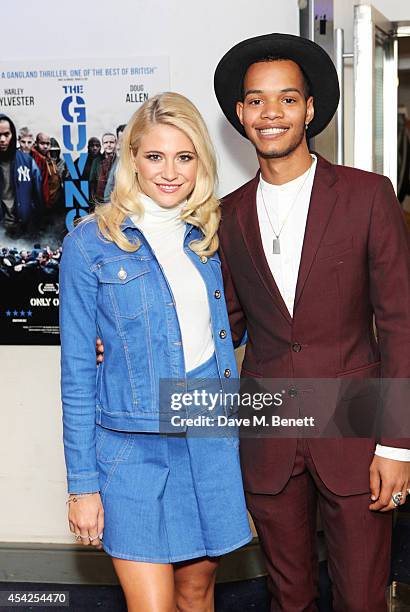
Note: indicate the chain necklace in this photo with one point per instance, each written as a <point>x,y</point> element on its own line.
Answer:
<point>276,240</point>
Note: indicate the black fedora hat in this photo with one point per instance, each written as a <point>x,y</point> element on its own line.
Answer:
<point>314,61</point>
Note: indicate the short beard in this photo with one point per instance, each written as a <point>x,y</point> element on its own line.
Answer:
<point>285,152</point>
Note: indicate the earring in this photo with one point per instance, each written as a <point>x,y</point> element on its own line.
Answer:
<point>306,126</point>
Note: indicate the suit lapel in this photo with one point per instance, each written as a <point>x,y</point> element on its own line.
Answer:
<point>249,224</point>
<point>322,202</point>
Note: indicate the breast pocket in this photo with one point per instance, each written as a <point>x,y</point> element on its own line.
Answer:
<point>127,286</point>
<point>342,247</point>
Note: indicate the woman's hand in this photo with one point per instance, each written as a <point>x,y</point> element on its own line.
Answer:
<point>99,350</point>
<point>86,518</point>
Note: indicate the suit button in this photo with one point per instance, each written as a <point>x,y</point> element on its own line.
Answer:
<point>227,373</point>
<point>296,347</point>
<point>292,392</point>
<point>217,294</point>
<point>222,334</point>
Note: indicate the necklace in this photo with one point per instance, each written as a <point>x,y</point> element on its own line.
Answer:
<point>276,240</point>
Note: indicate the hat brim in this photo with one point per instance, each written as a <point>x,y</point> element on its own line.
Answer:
<point>315,62</point>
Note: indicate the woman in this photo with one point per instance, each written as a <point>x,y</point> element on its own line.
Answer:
<point>143,274</point>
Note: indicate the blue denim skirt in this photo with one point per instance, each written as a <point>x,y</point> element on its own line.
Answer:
<point>170,498</point>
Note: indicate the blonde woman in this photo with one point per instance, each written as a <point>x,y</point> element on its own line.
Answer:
<point>143,274</point>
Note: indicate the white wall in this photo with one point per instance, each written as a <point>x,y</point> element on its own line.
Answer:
<point>195,35</point>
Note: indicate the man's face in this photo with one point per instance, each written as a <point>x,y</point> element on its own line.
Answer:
<point>119,141</point>
<point>109,143</point>
<point>274,110</point>
<point>43,143</point>
<point>26,142</point>
<point>94,147</point>
<point>5,136</point>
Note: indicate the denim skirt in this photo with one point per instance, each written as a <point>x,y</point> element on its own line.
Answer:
<point>170,498</point>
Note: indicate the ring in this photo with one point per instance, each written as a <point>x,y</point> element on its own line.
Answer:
<point>78,537</point>
<point>84,537</point>
<point>94,538</point>
<point>396,498</point>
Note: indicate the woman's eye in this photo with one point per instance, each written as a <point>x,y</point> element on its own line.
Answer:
<point>153,157</point>
<point>186,158</point>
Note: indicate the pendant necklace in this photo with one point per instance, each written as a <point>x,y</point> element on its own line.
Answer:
<point>276,240</point>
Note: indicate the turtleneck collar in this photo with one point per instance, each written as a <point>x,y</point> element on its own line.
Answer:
<point>156,216</point>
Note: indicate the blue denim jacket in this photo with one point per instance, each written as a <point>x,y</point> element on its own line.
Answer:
<point>126,300</point>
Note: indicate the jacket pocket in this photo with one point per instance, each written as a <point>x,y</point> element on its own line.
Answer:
<point>112,446</point>
<point>360,382</point>
<point>373,368</point>
<point>126,286</point>
<point>336,249</point>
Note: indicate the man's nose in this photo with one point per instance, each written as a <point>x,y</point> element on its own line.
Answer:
<point>272,110</point>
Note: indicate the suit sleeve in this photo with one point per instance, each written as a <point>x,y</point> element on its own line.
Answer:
<point>237,320</point>
<point>389,273</point>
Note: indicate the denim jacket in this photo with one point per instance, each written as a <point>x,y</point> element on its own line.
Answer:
<point>125,299</point>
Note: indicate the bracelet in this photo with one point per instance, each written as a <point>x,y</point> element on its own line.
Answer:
<point>74,497</point>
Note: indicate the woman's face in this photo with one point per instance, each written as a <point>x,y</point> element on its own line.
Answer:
<point>166,163</point>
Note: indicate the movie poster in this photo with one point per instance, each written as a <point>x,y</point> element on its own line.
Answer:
<point>61,125</point>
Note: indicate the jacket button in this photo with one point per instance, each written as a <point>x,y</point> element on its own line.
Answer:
<point>296,347</point>
<point>292,392</point>
<point>217,294</point>
<point>204,259</point>
<point>222,334</point>
<point>227,373</point>
<point>122,274</point>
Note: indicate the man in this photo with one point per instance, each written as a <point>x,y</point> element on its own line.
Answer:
<point>21,201</point>
<point>25,139</point>
<point>111,178</point>
<point>93,152</point>
<point>310,252</point>
<point>101,167</point>
<point>52,184</point>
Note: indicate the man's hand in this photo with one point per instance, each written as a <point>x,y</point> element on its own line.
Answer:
<point>387,477</point>
<point>99,351</point>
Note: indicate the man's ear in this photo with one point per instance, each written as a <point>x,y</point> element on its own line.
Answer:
<point>310,110</point>
<point>239,111</point>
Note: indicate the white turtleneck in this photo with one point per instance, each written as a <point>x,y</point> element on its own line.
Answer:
<point>164,229</point>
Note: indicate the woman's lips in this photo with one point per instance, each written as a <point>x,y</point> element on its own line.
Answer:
<point>167,188</point>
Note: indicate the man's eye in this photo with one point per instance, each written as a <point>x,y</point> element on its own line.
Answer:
<point>255,102</point>
<point>289,100</point>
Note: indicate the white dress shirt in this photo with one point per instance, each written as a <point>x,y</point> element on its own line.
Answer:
<point>282,210</point>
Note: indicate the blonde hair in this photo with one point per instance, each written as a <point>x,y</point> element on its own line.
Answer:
<point>202,208</point>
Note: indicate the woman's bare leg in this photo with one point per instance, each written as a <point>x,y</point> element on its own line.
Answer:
<point>148,587</point>
<point>194,585</point>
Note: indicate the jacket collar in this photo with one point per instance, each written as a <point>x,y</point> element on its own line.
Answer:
<point>321,206</point>
<point>128,224</point>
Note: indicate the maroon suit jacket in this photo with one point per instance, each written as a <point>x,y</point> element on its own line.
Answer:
<point>355,263</point>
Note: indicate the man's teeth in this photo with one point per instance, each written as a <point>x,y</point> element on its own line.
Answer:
<point>273,130</point>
